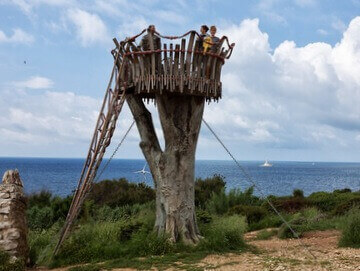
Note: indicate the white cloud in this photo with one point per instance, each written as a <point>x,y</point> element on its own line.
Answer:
<point>269,10</point>
<point>322,32</point>
<point>18,36</point>
<point>27,5</point>
<point>338,25</point>
<point>89,27</point>
<point>290,97</point>
<point>35,82</point>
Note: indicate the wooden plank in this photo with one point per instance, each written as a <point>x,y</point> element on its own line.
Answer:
<point>216,60</point>
<point>176,62</point>
<point>151,45</point>
<point>189,53</point>
<point>182,57</point>
<point>171,67</point>
<point>166,63</point>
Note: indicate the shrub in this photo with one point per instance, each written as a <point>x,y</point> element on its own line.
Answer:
<point>60,207</point>
<point>345,190</point>
<point>218,203</point>
<point>350,236</point>
<point>41,199</point>
<point>328,202</point>
<point>296,223</point>
<point>237,197</point>
<point>204,189</point>
<point>224,234</point>
<point>203,216</point>
<point>288,204</point>
<point>120,192</point>
<point>40,218</point>
<point>7,265</point>
<point>269,221</point>
<point>298,193</point>
<point>344,207</point>
<point>253,213</point>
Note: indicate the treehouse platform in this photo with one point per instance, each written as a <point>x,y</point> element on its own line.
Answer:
<point>183,68</point>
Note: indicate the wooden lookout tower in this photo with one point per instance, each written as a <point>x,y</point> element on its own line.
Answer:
<point>178,78</point>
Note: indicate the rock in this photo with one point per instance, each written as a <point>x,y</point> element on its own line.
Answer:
<point>13,225</point>
<point>12,177</point>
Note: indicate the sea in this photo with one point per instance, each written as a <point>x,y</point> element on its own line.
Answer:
<point>60,175</point>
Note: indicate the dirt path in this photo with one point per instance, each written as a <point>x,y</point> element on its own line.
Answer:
<point>277,255</point>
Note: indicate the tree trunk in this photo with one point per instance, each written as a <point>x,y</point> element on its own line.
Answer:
<point>173,168</point>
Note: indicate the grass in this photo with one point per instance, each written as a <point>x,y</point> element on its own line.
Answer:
<point>122,235</point>
<point>266,234</point>
<point>128,239</point>
<point>351,232</point>
<point>7,265</point>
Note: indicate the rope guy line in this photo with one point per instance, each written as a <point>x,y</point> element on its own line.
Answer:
<point>251,180</point>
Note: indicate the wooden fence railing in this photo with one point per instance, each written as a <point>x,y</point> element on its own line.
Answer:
<point>180,68</point>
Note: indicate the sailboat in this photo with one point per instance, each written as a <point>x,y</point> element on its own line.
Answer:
<point>266,164</point>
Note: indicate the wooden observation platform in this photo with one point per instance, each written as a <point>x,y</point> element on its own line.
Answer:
<point>147,72</point>
<point>183,68</point>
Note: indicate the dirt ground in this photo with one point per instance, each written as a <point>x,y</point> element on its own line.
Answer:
<point>276,255</point>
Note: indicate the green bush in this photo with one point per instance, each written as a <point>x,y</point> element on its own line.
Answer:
<point>40,218</point>
<point>350,236</point>
<point>288,204</point>
<point>224,234</point>
<point>253,213</point>
<point>120,192</point>
<point>269,221</point>
<point>296,223</point>
<point>7,265</point>
<point>42,243</point>
<point>203,216</point>
<point>204,189</point>
<point>60,207</point>
<point>298,193</point>
<point>237,197</point>
<point>41,199</point>
<point>218,203</point>
<point>346,206</point>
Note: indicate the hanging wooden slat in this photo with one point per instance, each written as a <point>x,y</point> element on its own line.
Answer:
<point>171,67</point>
<point>176,63</point>
<point>189,53</point>
<point>151,45</point>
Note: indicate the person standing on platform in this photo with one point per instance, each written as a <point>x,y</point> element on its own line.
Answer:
<point>214,39</point>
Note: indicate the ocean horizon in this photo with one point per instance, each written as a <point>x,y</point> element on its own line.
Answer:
<point>60,175</point>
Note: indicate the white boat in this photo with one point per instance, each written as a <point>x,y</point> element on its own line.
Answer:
<point>266,164</point>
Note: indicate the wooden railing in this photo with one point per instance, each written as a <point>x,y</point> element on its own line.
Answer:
<point>179,68</point>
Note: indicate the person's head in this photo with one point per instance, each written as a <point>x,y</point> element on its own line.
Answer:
<point>213,30</point>
<point>204,28</point>
<point>151,29</point>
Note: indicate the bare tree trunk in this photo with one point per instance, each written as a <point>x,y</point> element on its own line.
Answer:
<point>173,168</point>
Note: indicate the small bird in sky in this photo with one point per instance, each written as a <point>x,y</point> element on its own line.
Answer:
<point>24,61</point>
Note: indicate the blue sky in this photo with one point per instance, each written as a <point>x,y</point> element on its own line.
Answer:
<point>291,89</point>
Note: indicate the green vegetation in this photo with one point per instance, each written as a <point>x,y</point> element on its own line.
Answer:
<point>116,223</point>
<point>351,232</point>
<point>266,234</point>
<point>7,265</point>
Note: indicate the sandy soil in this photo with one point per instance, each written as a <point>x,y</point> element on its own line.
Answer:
<point>276,255</point>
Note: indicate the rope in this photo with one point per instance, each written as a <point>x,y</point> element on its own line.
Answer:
<point>231,46</point>
<point>115,151</point>
<point>250,179</point>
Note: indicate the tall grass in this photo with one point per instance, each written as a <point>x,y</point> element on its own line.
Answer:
<point>351,230</point>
